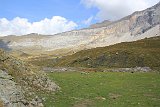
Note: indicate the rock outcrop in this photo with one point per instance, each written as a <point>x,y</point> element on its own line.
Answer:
<point>10,93</point>
<point>19,81</point>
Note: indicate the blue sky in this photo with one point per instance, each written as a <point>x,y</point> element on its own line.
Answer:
<point>36,10</point>
<point>19,17</point>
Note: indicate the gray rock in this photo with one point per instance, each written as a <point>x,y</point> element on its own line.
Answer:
<point>10,93</point>
<point>135,69</point>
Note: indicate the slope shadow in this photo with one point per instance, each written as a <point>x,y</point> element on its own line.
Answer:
<point>4,45</point>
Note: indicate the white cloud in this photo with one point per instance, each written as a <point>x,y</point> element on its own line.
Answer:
<point>116,9</point>
<point>21,26</point>
<point>88,21</point>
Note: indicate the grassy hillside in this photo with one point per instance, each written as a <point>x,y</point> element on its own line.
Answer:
<point>128,54</point>
<point>23,72</point>
<point>14,66</point>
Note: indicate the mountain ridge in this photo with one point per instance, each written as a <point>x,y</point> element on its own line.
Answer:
<point>136,26</point>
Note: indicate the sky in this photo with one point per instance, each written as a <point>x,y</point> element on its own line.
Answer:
<point>20,17</point>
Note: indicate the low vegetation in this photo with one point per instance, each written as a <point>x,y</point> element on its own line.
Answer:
<point>128,54</point>
<point>101,89</point>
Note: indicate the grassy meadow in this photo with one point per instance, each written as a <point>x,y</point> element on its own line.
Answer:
<point>105,89</point>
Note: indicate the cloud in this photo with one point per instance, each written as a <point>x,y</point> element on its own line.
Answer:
<point>88,21</point>
<point>116,9</point>
<point>21,26</point>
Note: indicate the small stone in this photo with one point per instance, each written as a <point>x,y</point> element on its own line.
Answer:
<point>40,105</point>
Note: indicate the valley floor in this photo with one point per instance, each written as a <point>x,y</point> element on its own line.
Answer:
<point>105,89</point>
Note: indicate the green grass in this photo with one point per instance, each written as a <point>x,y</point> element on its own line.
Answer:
<point>99,89</point>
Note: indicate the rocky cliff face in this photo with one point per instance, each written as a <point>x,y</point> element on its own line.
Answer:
<point>134,27</point>
<point>137,26</point>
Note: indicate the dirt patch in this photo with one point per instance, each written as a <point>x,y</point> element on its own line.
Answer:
<point>84,103</point>
<point>148,95</point>
<point>155,99</point>
<point>1,103</point>
<point>152,97</point>
<point>114,95</point>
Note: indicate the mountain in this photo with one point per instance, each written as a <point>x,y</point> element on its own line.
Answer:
<point>136,26</point>
<point>141,53</point>
<point>102,24</point>
<point>20,82</point>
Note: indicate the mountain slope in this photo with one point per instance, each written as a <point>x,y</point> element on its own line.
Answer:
<point>140,53</point>
<point>102,24</point>
<point>136,26</point>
